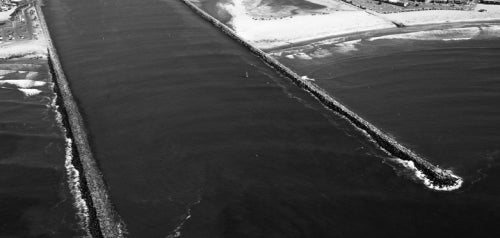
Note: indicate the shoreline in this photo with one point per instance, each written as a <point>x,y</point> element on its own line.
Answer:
<point>383,32</point>
<point>289,31</point>
<point>94,190</point>
<point>352,34</point>
<point>431,175</point>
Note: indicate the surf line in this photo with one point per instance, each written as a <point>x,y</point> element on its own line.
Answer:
<point>431,175</point>
<point>104,221</point>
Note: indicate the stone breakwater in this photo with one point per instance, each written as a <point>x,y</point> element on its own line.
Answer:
<point>104,221</point>
<point>432,176</point>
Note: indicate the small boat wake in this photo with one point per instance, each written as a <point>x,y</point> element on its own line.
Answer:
<point>177,231</point>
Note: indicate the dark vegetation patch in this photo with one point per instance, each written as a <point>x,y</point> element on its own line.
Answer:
<point>301,4</point>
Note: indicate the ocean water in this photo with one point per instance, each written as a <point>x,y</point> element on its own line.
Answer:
<point>436,91</point>
<point>189,147</point>
<point>35,200</point>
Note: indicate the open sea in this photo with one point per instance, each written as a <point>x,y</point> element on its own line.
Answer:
<point>190,147</point>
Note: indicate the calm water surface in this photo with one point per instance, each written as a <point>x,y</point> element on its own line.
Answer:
<point>187,144</point>
<point>441,98</point>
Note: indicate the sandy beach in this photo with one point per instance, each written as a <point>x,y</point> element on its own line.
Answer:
<point>492,13</point>
<point>271,33</point>
<point>22,57</point>
<point>30,49</point>
<point>334,20</point>
<point>4,16</point>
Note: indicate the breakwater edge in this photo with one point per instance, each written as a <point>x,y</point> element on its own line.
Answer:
<point>104,221</point>
<point>431,175</point>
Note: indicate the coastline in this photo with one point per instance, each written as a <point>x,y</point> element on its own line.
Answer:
<point>436,17</point>
<point>278,32</point>
<point>381,33</point>
<point>109,223</point>
<point>26,68</point>
<point>285,32</point>
<point>431,176</point>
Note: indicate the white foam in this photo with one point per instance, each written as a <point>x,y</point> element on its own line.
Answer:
<point>21,67</point>
<point>458,39</point>
<point>492,27</point>
<point>307,78</point>
<point>348,46</point>
<point>303,56</point>
<point>319,49</point>
<point>4,72</point>
<point>30,91</point>
<point>31,75</point>
<point>410,165</point>
<point>73,174</point>
<point>491,30</point>
<point>23,83</point>
<point>23,49</point>
<point>276,54</point>
<point>466,33</point>
<point>75,187</point>
<point>320,53</point>
<point>321,95</point>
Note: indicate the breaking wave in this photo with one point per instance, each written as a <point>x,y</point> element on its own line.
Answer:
<point>31,75</point>
<point>30,91</point>
<point>321,53</point>
<point>18,67</point>
<point>72,173</point>
<point>320,49</point>
<point>348,46</point>
<point>411,169</point>
<point>23,83</point>
<point>443,179</point>
<point>491,30</point>
<point>304,53</point>
<point>4,72</point>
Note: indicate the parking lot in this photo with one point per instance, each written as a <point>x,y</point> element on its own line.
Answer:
<point>20,27</point>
